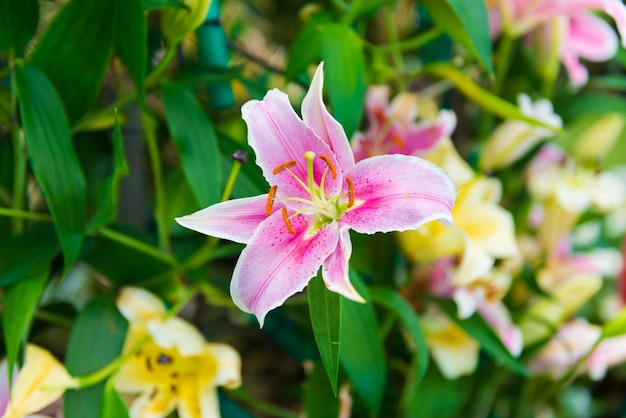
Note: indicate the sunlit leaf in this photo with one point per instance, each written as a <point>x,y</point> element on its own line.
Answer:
<point>344,63</point>
<point>325,309</point>
<point>74,51</point>
<point>52,157</point>
<point>130,38</point>
<point>193,133</point>
<point>112,403</point>
<point>109,188</point>
<point>18,307</point>
<point>362,351</point>
<point>467,22</point>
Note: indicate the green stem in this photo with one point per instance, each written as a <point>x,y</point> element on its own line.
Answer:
<point>154,77</point>
<point>415,42</point>
<point>22,214</point>
<point>137,245</point>
<point>157,175</point>
<point>353,10</point>
<point>505,48</point>
<point>54,318</point>
<point>234,172</point>
<point>269,409</point>
<point>396,54</point>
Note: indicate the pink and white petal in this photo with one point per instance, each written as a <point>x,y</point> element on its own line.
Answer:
<point>497,316</point>
<point>277,264</point>
<point>421,138</point>
<point>326,127</point>
<point>403,109</point>
<point>335,270</point>
<point>617,10</point>
<point>360,144</point>
<point>467,300</point>
<point>576,72</point>
<point>398,193</point>
<point>376,103</point>
<point>278,135</point>
<point>234,220</point>
<point>591,37</point>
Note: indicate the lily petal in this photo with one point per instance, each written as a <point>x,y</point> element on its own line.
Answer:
<point>335,270</point>
<point>197,402</point>
<point>176,332</point>
<point>40,369</point>
<point>317,117</point>
<point>398,193</point>
<point>277,264</point>
<point>234,220</point>
<point>153,404</point>
<point>228,365</point>
<point>420,138</point>
<point>278,135</point>
<point>137,304</point>
<point>591,37</point>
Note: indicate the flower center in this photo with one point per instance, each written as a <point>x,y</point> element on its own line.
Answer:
<point>325,208</point>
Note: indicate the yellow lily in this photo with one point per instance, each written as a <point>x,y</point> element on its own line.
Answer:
<point>41,381</point>
<point>482,232</point>
<point>176,367</point>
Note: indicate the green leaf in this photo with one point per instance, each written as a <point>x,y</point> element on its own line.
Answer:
<point>130,38</point>
<point>616,326</point>
<point>53,158</point>
<point>27,254</point>
<point>467,22</point>
<point>391,300</point>
<point>18,307</point>
<point>320,401</point>
<point>163,4</point>
<point>74,52</point>
<point>342,52</point>
<point>478,329</point>
<point>194,136</point>
<point>306,48</point>
<point>108,189</point>
<point>481,96</point>
<point>325,309</point>
<point>96,339</point>
<point>113,405</point>
<point>362,351</point>
<point>18,23</point>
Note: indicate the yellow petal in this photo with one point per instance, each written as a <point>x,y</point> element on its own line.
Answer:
<point>137,304</point>
<point>156,403</point>
<point>176,332</point>
<point>228,365</point>
<point>40,370</point>
<point>199,403</point>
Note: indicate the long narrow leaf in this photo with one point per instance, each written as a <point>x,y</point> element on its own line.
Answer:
<point>52,157</point>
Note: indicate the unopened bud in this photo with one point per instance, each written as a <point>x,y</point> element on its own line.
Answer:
<point>176,23</point>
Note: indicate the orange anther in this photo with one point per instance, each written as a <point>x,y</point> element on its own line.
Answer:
<point>397,139</point>
<point>350,192</point>
<point>287,221</point>
<point>284,166</point>
<point>330,165</point>
<point>270,200</point>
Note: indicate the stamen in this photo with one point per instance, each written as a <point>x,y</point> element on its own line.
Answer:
<point>284,166</point>
<point>330,165</point>
<point>270,200</point>
<point>397,139</point>
<point>350,192</point>
<point>287,221</point>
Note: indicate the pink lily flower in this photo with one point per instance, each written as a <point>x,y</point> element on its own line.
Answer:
<point>571,23</point>
<point>392,127</point>
<point>317,195</point>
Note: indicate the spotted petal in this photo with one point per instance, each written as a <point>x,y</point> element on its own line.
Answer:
<point>326,127</point>
<point>278,136</point>
<point>234,220</point>
<point>277,264</point>
<point>398,193</point>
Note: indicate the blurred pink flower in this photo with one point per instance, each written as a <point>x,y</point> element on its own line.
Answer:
<point>578,32</point>
<point>317,195</point>
<point>392,127</point>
